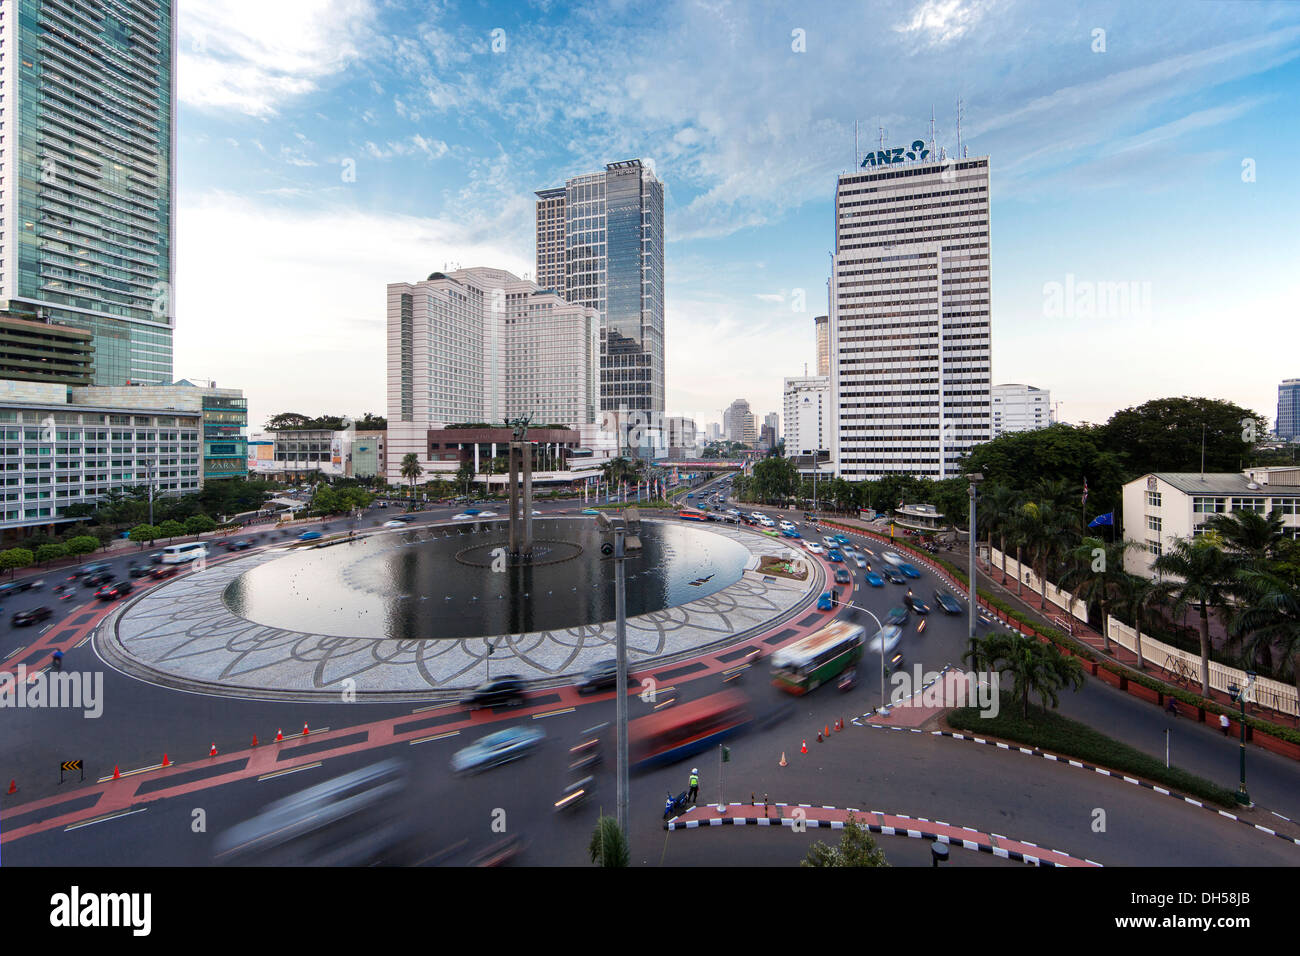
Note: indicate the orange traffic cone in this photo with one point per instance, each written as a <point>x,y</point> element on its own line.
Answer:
<point>804,748</point>
<point>166,762</point>
<point>782,763</point>
<point>254,740</point>
<point>117,774</point>
<point>13,786</point>
<point>213,751</point>
<point>279,734</point>
<point>305,731</point>
<point>828,730</point>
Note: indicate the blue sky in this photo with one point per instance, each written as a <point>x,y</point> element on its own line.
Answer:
<point>328,147</point>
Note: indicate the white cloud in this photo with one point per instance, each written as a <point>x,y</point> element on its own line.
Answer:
<point>942,21</point>
<point>250,56</point>
<point>308,327</point>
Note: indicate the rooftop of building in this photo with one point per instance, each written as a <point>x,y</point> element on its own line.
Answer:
<point>1223,483</point>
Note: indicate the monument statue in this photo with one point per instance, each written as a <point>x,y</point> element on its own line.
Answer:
<point>520,426</point>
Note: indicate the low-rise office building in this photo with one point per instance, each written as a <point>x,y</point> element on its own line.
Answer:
<point>1162,507</point>
<point>62,447</point>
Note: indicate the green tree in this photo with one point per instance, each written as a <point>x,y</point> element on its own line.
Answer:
<point>1168,434</point>
<point>856,848</point>
<point>1251,537</point>
<point>1044,533</point>
<point>1036,667</point>
<point>171,529</point>
<point>1270,616</point>
<point>1137,594</point>
<point>464,475</point>
<point>14,558</point>
<point>199,524</point>
<point>82,544</point>
<point>51,552</point>
<point>145,534</point>
<point>411,470</point>
<point>608,846</point>
<point>1202,576</point>
<point>104,535</point>
<point>1096,575</point>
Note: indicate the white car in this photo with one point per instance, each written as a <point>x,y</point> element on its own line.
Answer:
<point>491,514</point>
<point>861,560</point>
<point>398,524</point>
<point>462,517</point>
<point>787,525</point>
<point>829,541</point>
<point>813,546</point>
<point>892,558</point>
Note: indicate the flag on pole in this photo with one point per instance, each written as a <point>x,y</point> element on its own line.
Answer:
<point>1085,490</point>
<point>1108,519</point>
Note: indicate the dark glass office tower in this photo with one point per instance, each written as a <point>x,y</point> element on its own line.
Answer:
<point>87,152</point>
<point>600,243</point>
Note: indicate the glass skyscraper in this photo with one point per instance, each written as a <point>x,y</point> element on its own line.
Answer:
<point>1288,409</point>
<point>600,243</point>
<point>87,147</point>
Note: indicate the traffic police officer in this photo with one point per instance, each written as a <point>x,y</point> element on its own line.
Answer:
<point>694,791</point>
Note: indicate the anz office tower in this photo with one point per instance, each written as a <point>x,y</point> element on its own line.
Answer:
<point>600,243</point>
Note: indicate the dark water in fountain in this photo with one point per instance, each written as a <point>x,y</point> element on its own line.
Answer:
<point>409,584</point>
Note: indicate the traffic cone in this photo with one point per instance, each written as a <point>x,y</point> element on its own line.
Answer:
<point>803,749</point>
<point>783,761</point>
<point>213,751</point>
<point>166,762</point>
<point>305,731</point>
<point>279,734</point>
<point>117,774</point>
<point>828,730</point>
<point>13,786</point>
<point>819,736</point>
<point>254,740</point>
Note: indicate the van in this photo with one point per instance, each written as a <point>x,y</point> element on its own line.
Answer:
<point>180,553</point>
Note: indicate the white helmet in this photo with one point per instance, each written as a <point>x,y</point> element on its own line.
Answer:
<point>695,770</point>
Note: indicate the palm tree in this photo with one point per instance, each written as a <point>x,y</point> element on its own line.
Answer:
<point>1205,579</point>
<point>1249,535</point>
<point>1035,667</point>
<point>1045,535</point>
<point>608,847</point>
<point>411,470</point>
<point>1271,616</point>
<point>999,503</point>
<point>1137,593</point>
<point>1096,574</point>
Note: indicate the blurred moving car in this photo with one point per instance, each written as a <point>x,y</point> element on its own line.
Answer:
<point>394,524</point>
<point>887,637</point>
<point>842,576</point>
<point>874,579</point>
<point>893,576</point>
<point>909,570</point>
<point>140,570</point>
<point>114,590</point>
<point>352,820</point>
<point>309,536</point>
<point>96,579</point>
<point>506,689</point>
<point>31,616</point>
<point>834,555</point>
<point>825,602</point>
<point>947,603</point>
<point>163,571</point>
<point>916,604</point>
<point>241,545</point>
<point>602,676</point>
<point>497,748</point>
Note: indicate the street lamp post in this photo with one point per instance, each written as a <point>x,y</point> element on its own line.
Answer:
<point>1239,695</point>
<point>880,629</point>
<point>975,478</point>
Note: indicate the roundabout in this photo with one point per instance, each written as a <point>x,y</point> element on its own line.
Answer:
<point>425,614</point>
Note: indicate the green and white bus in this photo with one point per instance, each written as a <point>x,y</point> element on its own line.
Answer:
<point>808,663</point>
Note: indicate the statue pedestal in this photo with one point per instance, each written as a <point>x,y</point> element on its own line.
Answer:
<point>520,493</point>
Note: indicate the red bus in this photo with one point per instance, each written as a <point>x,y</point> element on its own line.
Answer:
<point>685,729</point>
<point>691,514</point>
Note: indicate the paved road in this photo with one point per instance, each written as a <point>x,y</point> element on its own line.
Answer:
<point>1007,793</point>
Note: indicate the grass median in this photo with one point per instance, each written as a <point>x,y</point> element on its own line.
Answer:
<point>1060,735</point>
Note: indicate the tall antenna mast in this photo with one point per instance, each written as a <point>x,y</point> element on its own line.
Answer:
<point>932,147</point>
<point>959,152</point>
<point>882,138</point>
<point>855,144</point>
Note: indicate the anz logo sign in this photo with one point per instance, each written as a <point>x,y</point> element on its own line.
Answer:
<point>899,154</point>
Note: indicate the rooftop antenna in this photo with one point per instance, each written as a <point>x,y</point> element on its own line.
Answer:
<point>855,144</point>
<point>959,147</point>
<point>932,148</point>
<point>882,138</point>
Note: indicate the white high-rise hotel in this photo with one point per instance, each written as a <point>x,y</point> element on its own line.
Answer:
<point>909,316</point>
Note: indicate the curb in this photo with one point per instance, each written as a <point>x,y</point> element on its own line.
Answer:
<point>883,829</point>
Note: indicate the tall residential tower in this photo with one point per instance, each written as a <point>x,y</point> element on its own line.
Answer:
<point>600,243</point>
<point>909,324</point>
<point>87,186</point>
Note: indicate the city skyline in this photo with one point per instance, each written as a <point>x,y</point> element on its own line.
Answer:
<point>436,155</point>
